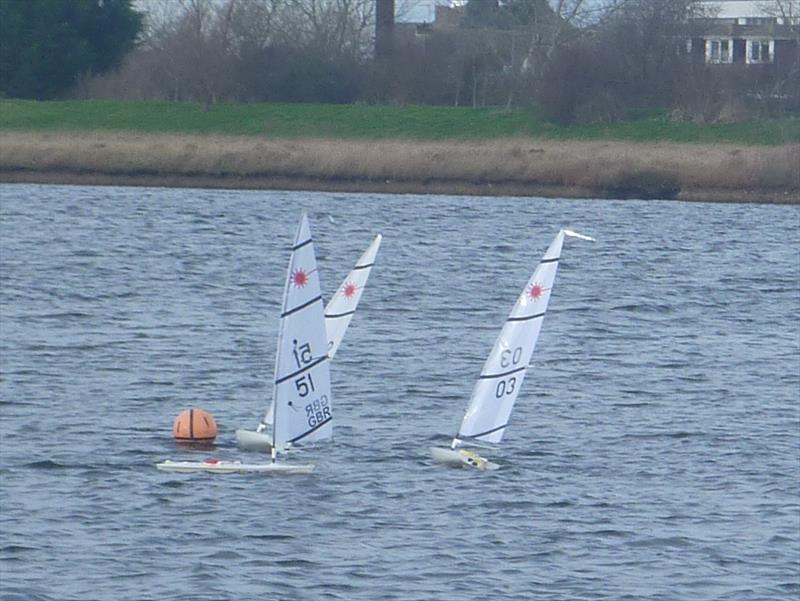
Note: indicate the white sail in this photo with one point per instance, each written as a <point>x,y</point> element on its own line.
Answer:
<point>302,393</point>
<point>342,306</point>
<point>338,315</point>
<point>502,375</point>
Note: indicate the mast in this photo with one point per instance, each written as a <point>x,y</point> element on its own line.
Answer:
<point>274,405</point>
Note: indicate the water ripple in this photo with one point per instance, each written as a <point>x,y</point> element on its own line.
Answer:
<point>652,453</point>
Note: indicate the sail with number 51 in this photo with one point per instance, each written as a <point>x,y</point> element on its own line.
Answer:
<point>338,314</point>
<point>302,391</point>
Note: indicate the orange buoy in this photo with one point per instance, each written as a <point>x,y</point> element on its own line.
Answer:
<point>194,425</point>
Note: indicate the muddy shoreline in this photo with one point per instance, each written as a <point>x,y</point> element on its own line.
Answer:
<point>381,187</point>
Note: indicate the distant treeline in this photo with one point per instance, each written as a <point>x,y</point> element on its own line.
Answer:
<point>579,61</point>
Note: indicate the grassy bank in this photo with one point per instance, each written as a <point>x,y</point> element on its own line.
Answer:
<point>506,166</point>
<point>297,121</point>
<point>395,149</point>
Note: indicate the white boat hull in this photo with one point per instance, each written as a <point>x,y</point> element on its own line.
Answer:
<point>462,458</point>
<point>249,440</point>
<point>233,467</point>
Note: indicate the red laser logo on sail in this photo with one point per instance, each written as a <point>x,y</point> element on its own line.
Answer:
<point>299,278</point>
<point>536,291</point>
<point>349,290</point>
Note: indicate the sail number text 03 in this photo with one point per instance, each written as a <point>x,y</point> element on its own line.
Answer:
<point>508,358</point>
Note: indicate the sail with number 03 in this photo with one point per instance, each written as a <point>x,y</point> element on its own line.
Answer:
<point>501,378</point>
<point>338,315</point>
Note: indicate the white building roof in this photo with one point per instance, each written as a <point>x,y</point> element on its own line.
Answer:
<point>733,9</point>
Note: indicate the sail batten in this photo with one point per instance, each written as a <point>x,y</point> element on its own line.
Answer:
<point>503,374</point>
<point>302,370</point>
<point>526,317</point>
<point>482,434</point>
<point>301,307</point>
<point>300,245</point>
<point>340,315</point>
<point>314,429</point>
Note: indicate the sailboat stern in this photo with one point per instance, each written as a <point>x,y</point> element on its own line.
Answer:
<point>248,440</point>
<point>462,458</point>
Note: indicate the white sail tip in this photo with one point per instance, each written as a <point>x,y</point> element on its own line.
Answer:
<point>577,235</point>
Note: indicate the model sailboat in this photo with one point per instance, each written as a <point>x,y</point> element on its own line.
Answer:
<point>341,308</point>
<point>502,375</point>
<point>338,314</point>
<point>302,384</point>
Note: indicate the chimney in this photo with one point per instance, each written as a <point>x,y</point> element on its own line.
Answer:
<point>384,28</point>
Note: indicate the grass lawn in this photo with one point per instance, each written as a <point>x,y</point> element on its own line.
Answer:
<point>368,122</point>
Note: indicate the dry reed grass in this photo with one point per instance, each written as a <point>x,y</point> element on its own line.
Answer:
<point>605,168</point>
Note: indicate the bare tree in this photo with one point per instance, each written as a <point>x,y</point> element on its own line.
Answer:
<point>548,26</point>
<point>206,48</point>
<point>787,10</point>
<point>254,23</point>
<point>341,26</point>
<point>788,79</point>
<point>628,58</point>
<point>192,43</point>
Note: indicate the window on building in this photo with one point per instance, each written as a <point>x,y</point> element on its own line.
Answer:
<point>715,51</point>
<point>759,51</point>
<point>719,51</point>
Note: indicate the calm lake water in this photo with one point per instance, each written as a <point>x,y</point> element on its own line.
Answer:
<point>654,452</point>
